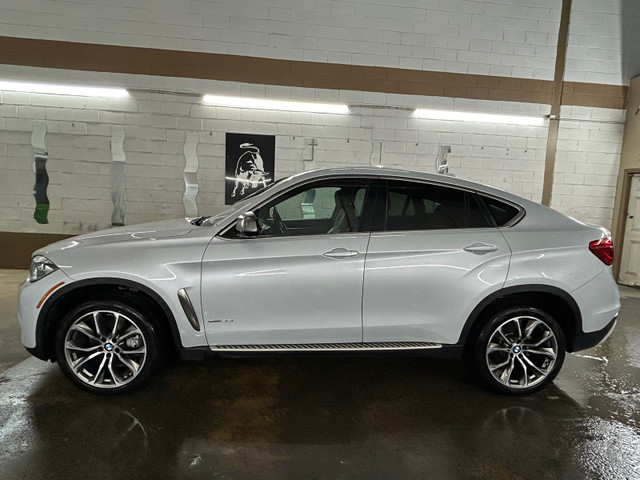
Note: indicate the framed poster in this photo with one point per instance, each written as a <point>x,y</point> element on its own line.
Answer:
<point>249,164</point>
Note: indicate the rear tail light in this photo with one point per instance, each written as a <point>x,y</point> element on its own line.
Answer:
<point>603,249</point>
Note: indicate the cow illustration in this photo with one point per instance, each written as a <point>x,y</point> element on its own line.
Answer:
<point>249,169</point>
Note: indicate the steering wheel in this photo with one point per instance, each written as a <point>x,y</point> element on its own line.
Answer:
<point>278,223</point>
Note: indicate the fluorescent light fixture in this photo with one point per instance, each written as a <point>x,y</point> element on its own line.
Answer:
<point>266,104</point>
<point>478,117</point>
<point>63,89</point>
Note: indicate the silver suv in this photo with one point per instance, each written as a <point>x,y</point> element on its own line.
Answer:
<point>359,259</point>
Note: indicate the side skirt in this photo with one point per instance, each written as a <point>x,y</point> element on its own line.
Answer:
<point>328,347</point>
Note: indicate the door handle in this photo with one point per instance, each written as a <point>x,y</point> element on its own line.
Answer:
<point>340,253</point>
<point>480,247</point>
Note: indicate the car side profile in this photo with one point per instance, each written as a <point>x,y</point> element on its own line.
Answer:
<point>354,259</point>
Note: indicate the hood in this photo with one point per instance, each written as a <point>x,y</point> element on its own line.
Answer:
<point>146,231</point>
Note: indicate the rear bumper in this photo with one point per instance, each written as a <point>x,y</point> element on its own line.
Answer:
<point>591,339</point>
<point>599,302</point>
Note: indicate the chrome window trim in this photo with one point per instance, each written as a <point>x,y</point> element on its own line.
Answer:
<point>431,230</point>
<point>302,237</point>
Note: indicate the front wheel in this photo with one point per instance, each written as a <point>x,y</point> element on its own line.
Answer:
<point>519,350</point>
<point>107,346</point>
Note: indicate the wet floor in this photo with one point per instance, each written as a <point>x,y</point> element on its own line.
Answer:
<point>327,418</point>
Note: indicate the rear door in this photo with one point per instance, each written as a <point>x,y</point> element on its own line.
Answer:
<point>433,255</point>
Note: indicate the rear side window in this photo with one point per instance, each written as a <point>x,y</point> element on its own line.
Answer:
<point>501,212</point>
<point>417,206</point>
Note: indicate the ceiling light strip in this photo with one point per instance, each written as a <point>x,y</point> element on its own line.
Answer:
<point>478,117</point>
<point>266,104</point>
<point>77,90</point>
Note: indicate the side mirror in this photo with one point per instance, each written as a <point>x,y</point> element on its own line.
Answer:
<point>247,225</point>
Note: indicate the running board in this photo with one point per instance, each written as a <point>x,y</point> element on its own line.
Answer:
<point>327,347</point>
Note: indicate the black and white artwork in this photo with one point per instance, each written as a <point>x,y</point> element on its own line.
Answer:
<point>250,164</point>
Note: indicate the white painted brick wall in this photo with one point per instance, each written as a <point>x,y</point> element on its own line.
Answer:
<point>508,157</point>
<point>602,46</point>
<point>433,35</point>
<point>588,158</point>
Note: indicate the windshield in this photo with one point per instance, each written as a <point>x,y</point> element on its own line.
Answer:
<point>237,206</point>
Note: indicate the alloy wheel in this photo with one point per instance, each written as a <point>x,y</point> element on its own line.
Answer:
<point>105,349</point>
<point>522,352</point>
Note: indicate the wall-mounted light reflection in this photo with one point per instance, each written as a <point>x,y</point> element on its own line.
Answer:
<point>478,117</point>
<point>267,104</point>
<point>82,91</point>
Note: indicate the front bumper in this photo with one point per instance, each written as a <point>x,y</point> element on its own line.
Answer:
<point>32,298</point>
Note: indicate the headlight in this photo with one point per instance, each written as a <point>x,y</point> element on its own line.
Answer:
<point>41,267</point>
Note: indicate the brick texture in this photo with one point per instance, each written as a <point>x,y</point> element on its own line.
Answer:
<point>587,162</point>
<point>603,46</point>
<point>438,35</point>
<point>506,156</point>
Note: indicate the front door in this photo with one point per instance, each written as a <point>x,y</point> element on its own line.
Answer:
<point>300,280</point>
<point>630,263</point>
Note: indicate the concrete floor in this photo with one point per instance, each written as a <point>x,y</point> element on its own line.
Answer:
<point>323,418</point>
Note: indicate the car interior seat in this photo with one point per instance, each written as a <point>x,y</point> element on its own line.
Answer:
<point>344,217</point>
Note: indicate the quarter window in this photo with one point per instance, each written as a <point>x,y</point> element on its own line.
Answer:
<point>501,212</point>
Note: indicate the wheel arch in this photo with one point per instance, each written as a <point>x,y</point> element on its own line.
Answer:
<point>63,299</point>
<point>555,301</point>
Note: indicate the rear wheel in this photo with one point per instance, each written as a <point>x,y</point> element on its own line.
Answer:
<point>108,346</point>
<point>519,350</point>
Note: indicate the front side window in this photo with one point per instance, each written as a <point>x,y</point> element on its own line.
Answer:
<point>323,207</point>
<point>417,206</point>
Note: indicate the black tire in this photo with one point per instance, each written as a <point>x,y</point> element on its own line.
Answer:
<point>118,335</point>
<point>514,359</point>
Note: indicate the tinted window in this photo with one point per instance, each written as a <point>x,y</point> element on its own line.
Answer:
<point>477,217</point>
<point>325,207</point>
<point>416,206</point>
<point>320,202</point>
<point>501,212</point>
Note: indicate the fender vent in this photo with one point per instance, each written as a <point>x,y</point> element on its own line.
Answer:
<point>187,306</point>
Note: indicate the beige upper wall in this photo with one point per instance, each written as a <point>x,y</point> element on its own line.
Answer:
<point>172,63</point>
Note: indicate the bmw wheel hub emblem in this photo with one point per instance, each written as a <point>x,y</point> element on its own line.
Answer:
<point>108,347</point>
<point>516,349</point>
